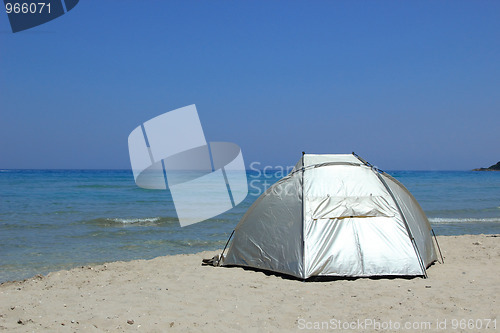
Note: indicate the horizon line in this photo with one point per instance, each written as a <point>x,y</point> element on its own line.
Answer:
<point>247,169</point>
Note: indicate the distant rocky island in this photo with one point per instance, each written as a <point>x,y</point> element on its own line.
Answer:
<point>495,167</point>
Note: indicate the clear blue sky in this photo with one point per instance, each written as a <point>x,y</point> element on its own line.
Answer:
<point>405,84</point>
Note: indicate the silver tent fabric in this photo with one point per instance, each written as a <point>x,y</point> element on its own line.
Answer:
<point>309,160</point>
<point>333,215</point>
<point>270,234</point>
<point>417,220</point>
<point>352,225</point>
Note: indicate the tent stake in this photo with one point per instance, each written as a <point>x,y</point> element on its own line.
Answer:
<point>435,238</point>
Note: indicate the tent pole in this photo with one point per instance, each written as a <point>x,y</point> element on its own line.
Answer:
<point>362,160</point>
<point>435,238</point>
<point>222,254</point>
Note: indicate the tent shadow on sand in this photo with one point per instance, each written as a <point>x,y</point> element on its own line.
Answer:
<point>325,278</point>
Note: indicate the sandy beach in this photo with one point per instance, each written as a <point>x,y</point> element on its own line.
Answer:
<point>177,293</point>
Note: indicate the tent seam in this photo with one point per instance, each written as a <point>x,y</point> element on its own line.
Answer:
<point>303,224</point>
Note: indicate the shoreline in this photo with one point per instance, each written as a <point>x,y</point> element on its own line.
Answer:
<point>485,227</point>
<point>178,293</point>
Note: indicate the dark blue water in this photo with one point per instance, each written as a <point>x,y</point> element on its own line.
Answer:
<point>58,219</point>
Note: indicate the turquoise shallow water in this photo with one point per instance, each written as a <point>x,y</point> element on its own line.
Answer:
<point>58,219</point>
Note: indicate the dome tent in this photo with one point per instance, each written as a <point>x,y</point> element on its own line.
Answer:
<point>334,215</point>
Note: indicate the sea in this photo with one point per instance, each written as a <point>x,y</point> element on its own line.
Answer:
<point>60,219</point>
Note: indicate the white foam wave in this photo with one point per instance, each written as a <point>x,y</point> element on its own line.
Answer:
<point>464,220</point>
<point>136,220</point>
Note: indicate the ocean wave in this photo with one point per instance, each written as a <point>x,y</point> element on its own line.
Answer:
<point>135,220</point>
<point>464,211</point>
<point>125,221</point>
<point>464,220</point>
